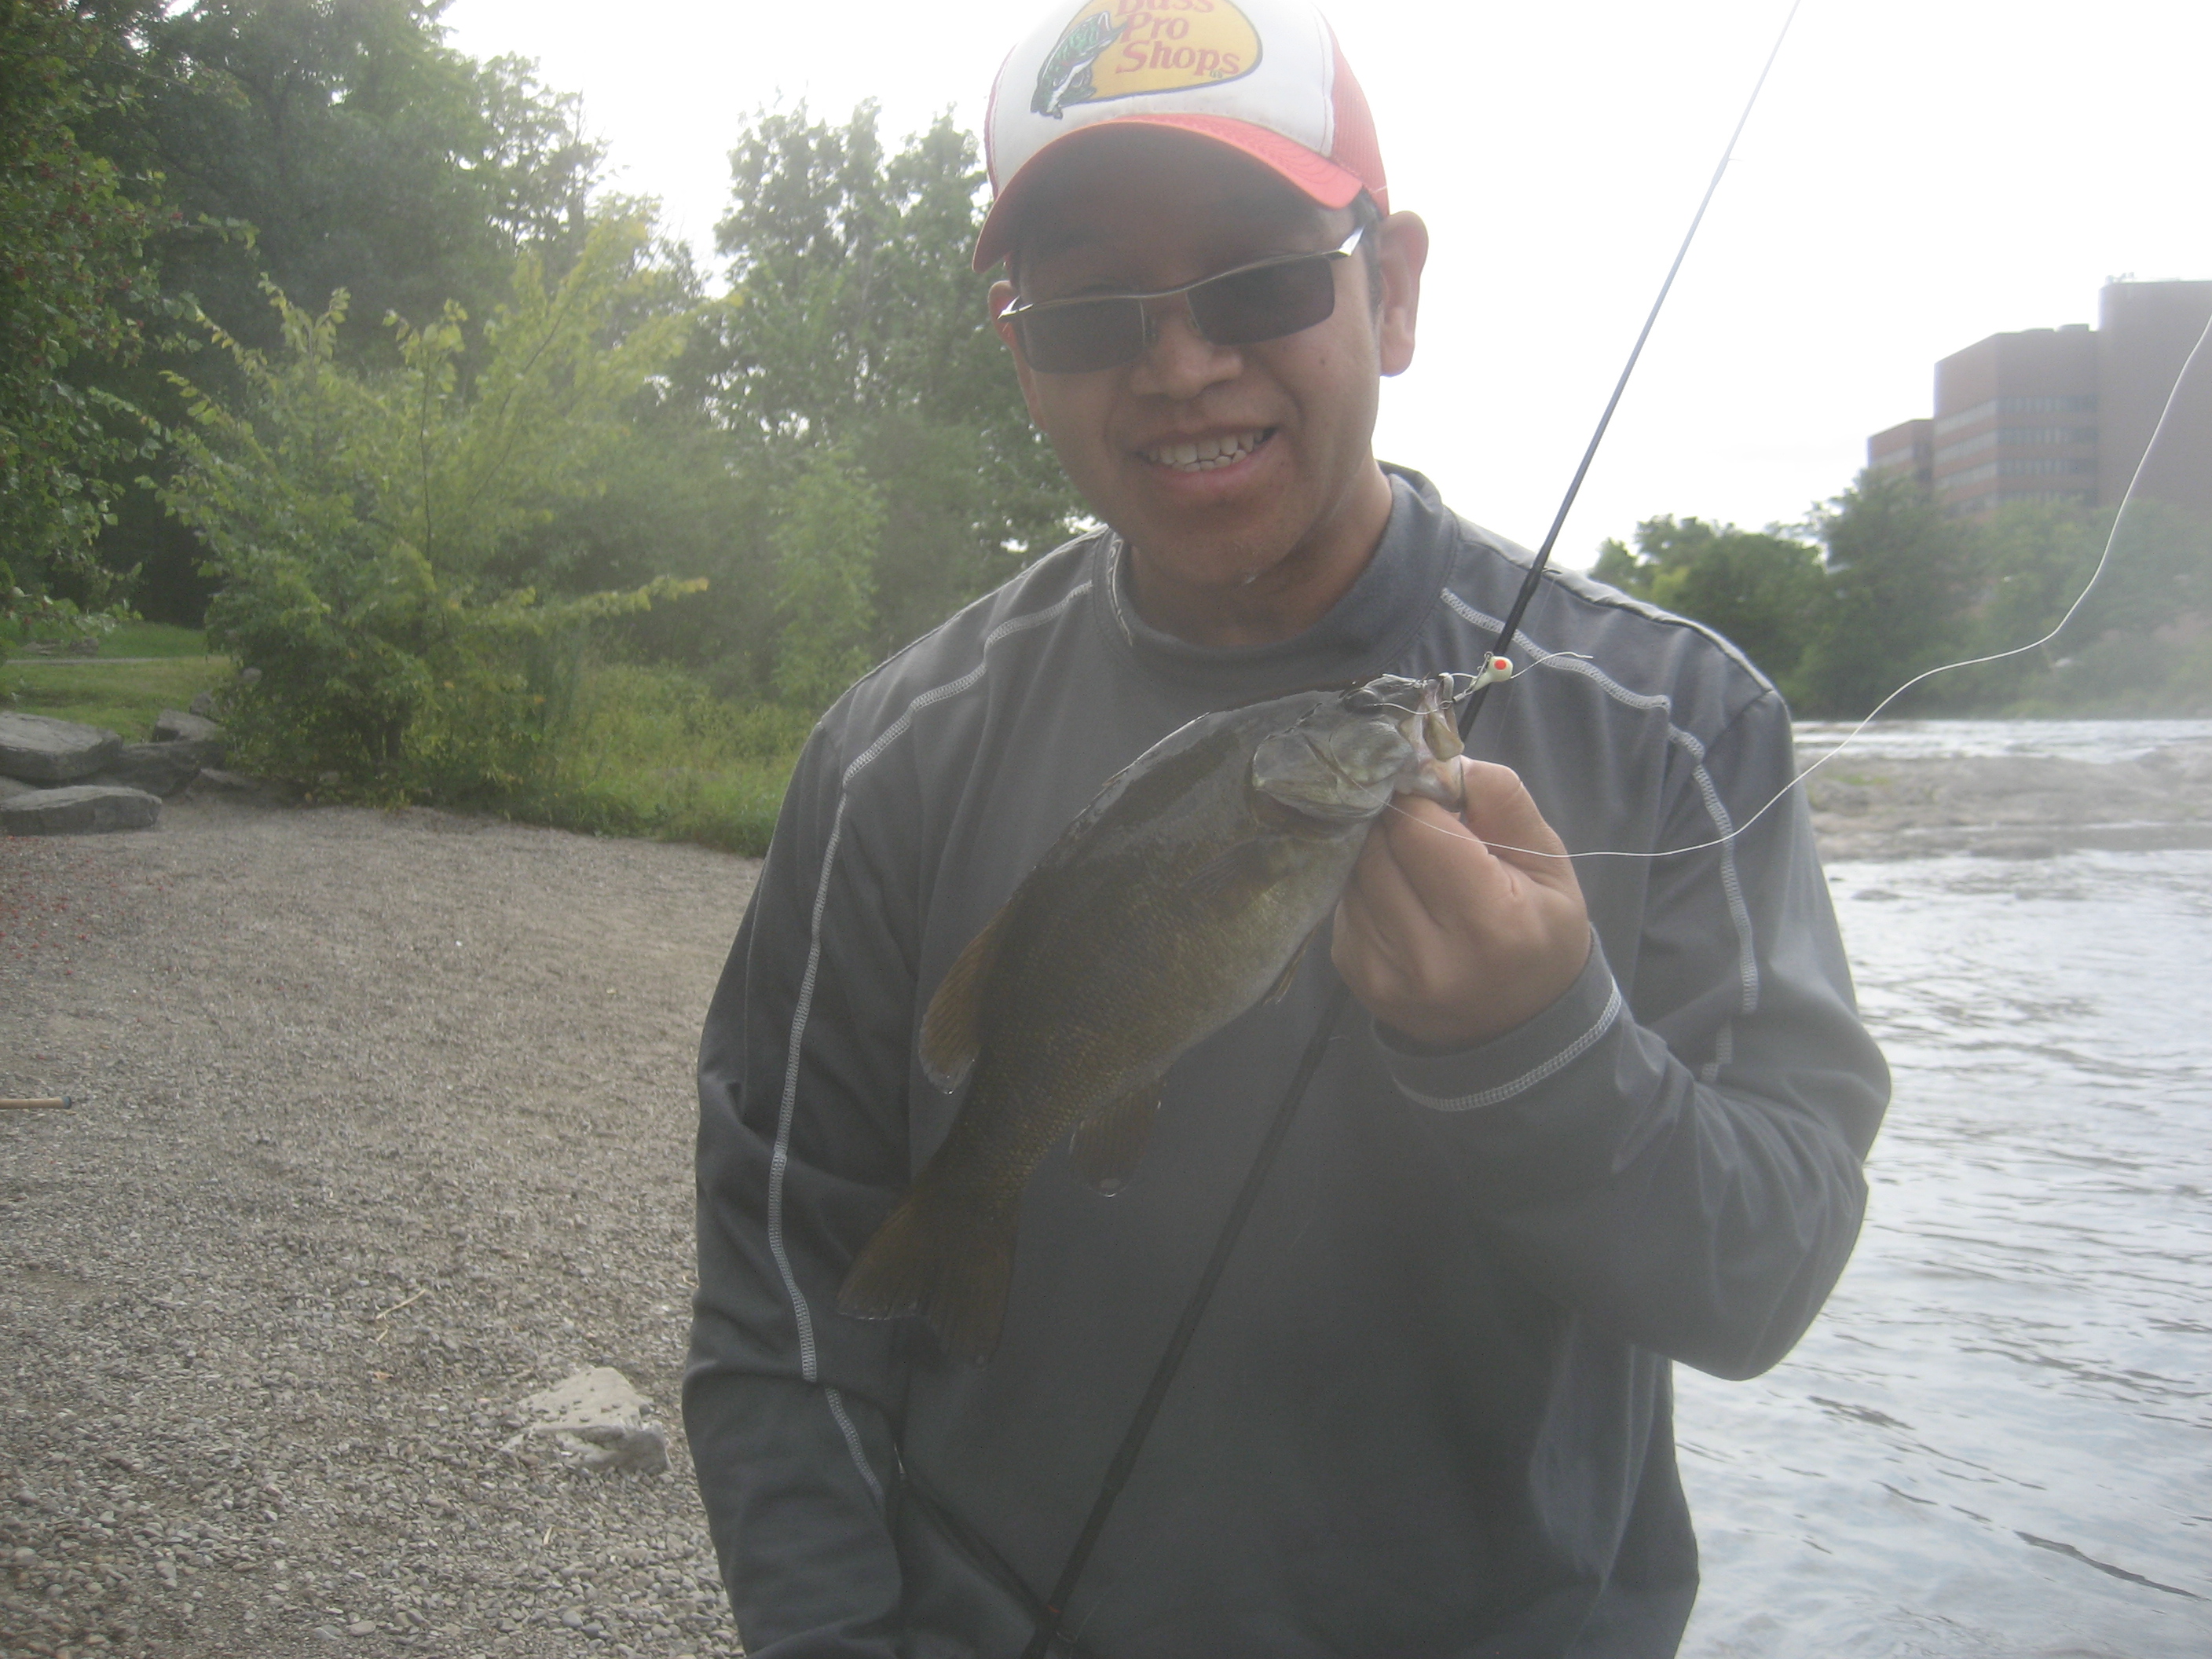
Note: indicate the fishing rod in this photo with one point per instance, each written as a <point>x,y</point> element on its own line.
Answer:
<point>1124,1463</point>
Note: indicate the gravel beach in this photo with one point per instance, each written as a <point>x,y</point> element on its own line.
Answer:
<point>383,1124</point>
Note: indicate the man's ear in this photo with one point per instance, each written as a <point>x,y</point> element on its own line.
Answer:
<point>1001,296</point>
<point>1404,242</point>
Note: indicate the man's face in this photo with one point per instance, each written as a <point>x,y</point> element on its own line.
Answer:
<point>1228,469</point>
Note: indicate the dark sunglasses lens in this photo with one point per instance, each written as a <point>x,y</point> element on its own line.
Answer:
<point>1249,305</point>
<point>1074,339</point>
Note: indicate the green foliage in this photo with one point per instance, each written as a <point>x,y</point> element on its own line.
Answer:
<point>857,327</point>
<point>1901,585</point>
<point>651,750</point>
<point>831,525</point>
<point>73,287</point>
<point>1762,590</point>
<point>1904,589</point>
<point>355,517</point>
<point>317,144</point>
<point>2138,640</point>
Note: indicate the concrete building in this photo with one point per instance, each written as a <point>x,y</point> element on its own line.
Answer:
<point>2065,414</point>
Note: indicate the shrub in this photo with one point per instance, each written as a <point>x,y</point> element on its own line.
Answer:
<point>353,517</point>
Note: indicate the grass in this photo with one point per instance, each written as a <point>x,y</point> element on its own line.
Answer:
<point>652,751</point>
<point>122,696</point>
<point>640,751</point>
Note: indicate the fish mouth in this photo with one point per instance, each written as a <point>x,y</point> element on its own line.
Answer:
<point>1209,453</point>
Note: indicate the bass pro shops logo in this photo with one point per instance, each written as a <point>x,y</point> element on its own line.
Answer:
<point>1120,48</point>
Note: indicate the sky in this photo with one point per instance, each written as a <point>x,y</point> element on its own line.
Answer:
<point>1918,175</point>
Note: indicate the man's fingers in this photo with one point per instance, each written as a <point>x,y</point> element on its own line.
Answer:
<point>1500,810</point>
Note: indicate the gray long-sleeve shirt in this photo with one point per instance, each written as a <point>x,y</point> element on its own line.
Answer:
<point>1429,1413</point>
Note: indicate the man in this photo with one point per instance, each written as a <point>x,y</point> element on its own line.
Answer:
<point>1597,1115</point>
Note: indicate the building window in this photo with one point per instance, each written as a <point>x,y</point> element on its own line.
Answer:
<point>2070,404</point>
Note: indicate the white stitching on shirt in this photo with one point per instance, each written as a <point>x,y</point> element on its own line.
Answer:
<point>852,1443</point>
<point>1531,1078</point>
<point>780,1158</point>
<point>1731,884</point>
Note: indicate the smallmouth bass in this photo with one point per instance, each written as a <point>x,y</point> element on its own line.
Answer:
<point>1185,893</point>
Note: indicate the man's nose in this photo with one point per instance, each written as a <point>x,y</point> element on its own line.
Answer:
<point>1179,361</point>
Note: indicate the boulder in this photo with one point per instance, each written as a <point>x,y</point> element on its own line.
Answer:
<point>595,1420</point>
<point>11,786</point>
<point>207,739</point>
<point>37,750</point>
<point>159,768</point>
<point>79,809</point>
<point>204,705</point>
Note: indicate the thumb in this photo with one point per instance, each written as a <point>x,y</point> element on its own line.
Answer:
<point>1500,810</point>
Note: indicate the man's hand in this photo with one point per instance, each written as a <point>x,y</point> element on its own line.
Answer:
<point>1454,942</point>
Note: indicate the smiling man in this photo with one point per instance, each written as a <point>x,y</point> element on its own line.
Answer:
<point>1599,1117</point>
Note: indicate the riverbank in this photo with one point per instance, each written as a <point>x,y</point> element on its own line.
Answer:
<point>2012,806</point>
<point>383,1123</point>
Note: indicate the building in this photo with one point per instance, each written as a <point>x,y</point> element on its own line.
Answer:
<point>2065,414</point>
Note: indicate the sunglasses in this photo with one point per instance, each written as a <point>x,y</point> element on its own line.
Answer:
<point>1263,301</point>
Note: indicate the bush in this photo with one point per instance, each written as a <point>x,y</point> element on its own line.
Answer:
<point>354,518</point>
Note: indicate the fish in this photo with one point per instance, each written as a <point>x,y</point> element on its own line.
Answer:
<point>1185,893</point>
<point>1064,78</point>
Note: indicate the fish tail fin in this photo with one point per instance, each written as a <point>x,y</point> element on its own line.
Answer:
<point>949,1259</point>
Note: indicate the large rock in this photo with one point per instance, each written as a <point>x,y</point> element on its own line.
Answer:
<point>79,809</point>
<point>595,1420</point>
<point>11,788</point>
<point>159,768</point>
<point>175,725</point>
<point>37,750</point>
<point>208,741</point>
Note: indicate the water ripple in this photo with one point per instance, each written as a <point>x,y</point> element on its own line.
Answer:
<point>1996,1440</point>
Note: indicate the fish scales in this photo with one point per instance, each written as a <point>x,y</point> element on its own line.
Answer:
<point>1174,902</point>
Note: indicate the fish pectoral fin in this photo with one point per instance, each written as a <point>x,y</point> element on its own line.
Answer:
<point>1249,865</point>
<point>1108,1145</point>
<point>952,1030</point>
<point>1281,987</point>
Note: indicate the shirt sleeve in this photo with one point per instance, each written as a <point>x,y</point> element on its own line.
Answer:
<point>1680,1161</point>
<point>790,1410</point>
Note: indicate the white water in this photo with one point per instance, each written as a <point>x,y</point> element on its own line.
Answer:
<point>1997,1441</point>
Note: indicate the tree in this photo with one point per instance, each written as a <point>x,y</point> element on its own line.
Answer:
<point>1761,589</point>
<point>1901,585</point>
<point>355,518</point>
<point>826,542</point>
<point>857,325</point>
<point>320,144</point>
<point>75,288</point>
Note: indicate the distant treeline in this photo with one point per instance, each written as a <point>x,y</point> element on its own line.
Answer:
<point>1881,587</point>
<point>323,332</point>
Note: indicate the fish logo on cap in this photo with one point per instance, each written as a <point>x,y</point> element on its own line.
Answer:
<point>1121,48</point>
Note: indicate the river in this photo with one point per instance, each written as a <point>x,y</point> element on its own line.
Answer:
<point>1997,1440</point>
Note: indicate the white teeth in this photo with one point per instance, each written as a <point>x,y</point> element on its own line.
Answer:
<point>1204,454</point>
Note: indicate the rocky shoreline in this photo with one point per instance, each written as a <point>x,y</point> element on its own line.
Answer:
<point>381,1141</point>
<point>2012,806</point>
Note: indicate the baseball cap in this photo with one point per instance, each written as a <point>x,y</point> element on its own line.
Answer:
<point>1263,76</point>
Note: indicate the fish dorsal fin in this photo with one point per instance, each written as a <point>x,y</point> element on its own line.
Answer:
<point>952,1030</point>
<point>1108,1145</point>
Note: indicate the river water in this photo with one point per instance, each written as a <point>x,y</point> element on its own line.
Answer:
<point>1997,1440</point>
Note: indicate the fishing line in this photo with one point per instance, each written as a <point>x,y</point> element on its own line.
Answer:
<point>1503,643</point>
<point>1133,1440</point>
<point>2104,560</point>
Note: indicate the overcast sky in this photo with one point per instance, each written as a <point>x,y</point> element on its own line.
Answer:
<point>1919,173</point>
